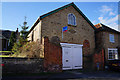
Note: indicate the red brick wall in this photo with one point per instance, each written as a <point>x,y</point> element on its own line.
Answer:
<point>86,47</point>
<point>99,58</point>
<point>52,56</point>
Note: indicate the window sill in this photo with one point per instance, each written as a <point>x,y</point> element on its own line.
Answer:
<point>112,59</point>
<point>112,42</point>
<point>72,25</point>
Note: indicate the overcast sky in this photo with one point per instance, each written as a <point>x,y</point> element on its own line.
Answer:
<point>97,12</point>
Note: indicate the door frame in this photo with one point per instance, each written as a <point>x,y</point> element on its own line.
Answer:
<point>69,44</point>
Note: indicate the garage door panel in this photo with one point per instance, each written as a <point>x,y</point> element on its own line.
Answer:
<point>67,58</point>
<point>72,56</point>
<point>77,57</point>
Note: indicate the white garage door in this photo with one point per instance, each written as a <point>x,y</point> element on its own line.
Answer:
<point>71,56</point>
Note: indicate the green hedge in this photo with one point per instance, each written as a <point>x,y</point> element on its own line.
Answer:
<point>6,51</point>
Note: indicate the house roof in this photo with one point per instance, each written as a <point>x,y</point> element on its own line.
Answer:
<point>5,34</point>
<point>61,8</point>
<point>102,27</point>
<point>2,37</point>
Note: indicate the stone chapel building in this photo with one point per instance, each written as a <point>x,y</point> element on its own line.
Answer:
<point>78,43</point>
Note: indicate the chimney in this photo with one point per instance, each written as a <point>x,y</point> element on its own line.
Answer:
<point>98,25</point>
<point>17,30</point>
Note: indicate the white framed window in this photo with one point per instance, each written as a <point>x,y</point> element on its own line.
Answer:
<point>71,19</point>
<point>111,38</point>
<point>112,53</point>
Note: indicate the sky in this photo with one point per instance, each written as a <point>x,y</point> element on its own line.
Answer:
<point>13,13</point>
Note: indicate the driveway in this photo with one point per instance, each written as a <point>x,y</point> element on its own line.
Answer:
<point>69,75</point>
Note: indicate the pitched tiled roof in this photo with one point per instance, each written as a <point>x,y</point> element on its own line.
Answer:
<point>2,37</point>
<point>61,8</point>
<point>102,27</point>
<point>5,34</point>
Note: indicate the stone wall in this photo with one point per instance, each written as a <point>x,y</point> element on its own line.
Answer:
<point>21,65</point>
<point>52,61</point>
<point>52,26</point>
<point>52,56</point>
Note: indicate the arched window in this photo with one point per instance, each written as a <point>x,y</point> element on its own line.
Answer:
<point>71,19</point>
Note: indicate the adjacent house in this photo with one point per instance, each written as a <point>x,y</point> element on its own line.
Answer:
<point>108,39</point>
<point>4,39</point>
<point>5,36</point>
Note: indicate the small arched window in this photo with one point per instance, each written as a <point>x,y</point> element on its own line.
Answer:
<point>71,19</point>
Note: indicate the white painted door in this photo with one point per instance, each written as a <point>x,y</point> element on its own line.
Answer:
<point>71,56</point>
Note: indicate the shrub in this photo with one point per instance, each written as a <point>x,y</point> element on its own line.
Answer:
<point>32,50</point>
<point>16,49</point>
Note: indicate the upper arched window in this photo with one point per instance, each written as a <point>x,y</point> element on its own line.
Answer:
<point>71,19</point>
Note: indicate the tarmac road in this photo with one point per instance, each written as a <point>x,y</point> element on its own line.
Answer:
<point>70,75</point>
